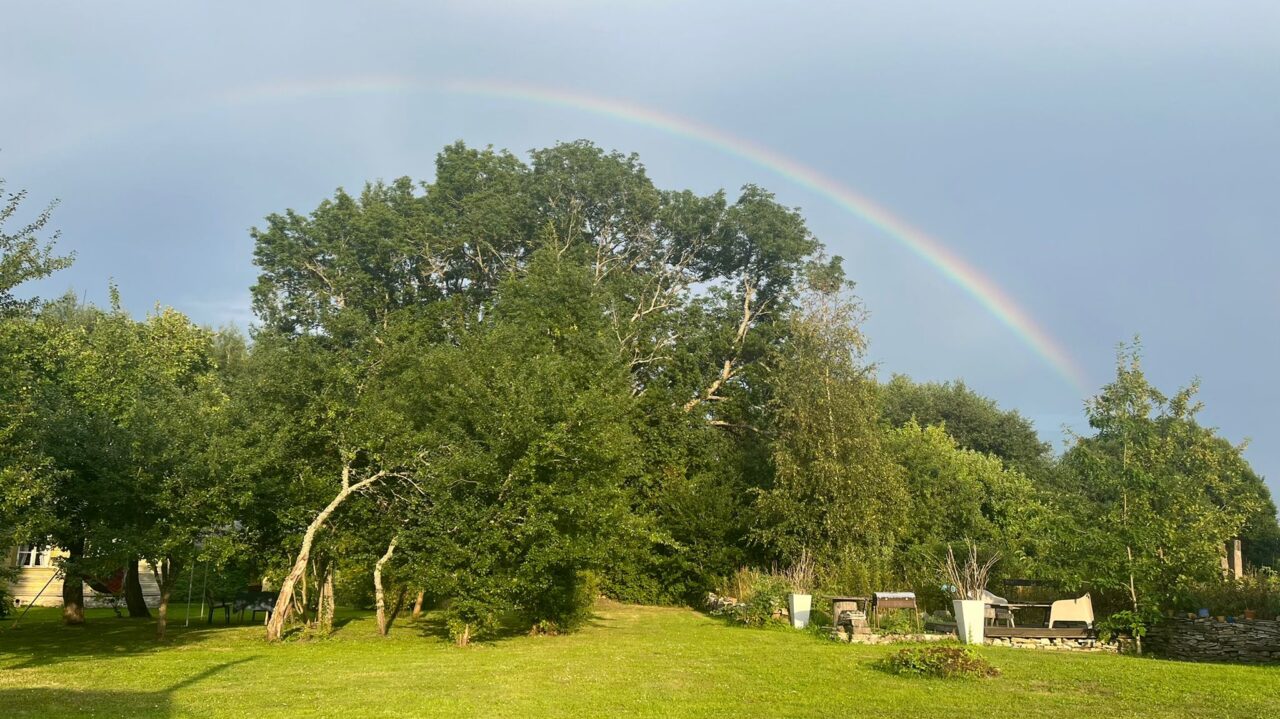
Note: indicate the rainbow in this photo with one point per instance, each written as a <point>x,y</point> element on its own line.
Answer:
<point>964,275</point>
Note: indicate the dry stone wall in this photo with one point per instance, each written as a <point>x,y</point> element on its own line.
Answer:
<point>1248,641</point>
<point>1058,643</point>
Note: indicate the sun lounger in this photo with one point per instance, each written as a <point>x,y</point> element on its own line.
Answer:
<point>1072,610</point>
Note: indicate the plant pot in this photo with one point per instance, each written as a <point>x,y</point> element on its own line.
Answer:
<point>970,616</point>
<point>798,606</point>
<point>1250,614</point>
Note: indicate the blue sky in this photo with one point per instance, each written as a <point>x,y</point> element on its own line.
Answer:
<point>1113,167</point>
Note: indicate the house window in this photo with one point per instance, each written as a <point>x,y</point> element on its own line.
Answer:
<point>29,556</point>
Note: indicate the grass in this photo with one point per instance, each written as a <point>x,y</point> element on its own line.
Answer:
<point>630,662</point>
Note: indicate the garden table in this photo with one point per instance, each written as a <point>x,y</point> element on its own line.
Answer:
<point>1015,606</point>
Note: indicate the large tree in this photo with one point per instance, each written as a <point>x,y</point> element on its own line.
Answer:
<point>527,422</point>
<point>976,422</point>
<point>836,493</point>
<point>24,253</point>
<point>1157,493</point>
<point>122,415</point>
<point>188,494</point>
<point>955,493</point>
<point>693,292</point>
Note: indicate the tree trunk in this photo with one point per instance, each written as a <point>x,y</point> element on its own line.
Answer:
<point>73,585</point>
<point>404,592</point>
<point>275,627</point>
<point>165,578</point>
<point>300,599</point>
<point>417,604</point>
<point>324,612</point>
<point>384,624</point>
<point>133,597</point>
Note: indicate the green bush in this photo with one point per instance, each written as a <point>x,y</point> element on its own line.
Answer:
<point>560,600</point>
<point>897,622</point>
<point>469,619</point>
<point>1260,592</point>
<point>762,598</point>
<point>353,586</point>
<point>946,661</point>
<point>1128,623</point>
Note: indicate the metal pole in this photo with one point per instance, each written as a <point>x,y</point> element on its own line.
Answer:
<point>33,600</point>
<point>204,588</point>
<point>191,583</point>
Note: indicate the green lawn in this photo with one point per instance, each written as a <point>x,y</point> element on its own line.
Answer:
<point>632,661</point>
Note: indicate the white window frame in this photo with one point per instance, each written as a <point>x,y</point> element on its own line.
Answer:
<point>29,556</point>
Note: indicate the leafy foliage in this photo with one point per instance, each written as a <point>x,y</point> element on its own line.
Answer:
<point>836,491</point>
<point>1259,592</point>
<point>897,623</point>
<point>1127,622</point>
<point>975,422</point>
<point>24,254</point>
<point>543,378</point>
<point>1157,492</point>
<point>762,598</point>
<point>943,661</point>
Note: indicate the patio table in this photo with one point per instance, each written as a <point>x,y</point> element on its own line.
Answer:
<point>1015,606</point>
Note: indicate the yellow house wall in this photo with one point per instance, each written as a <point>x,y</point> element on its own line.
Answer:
<point>24,589</point>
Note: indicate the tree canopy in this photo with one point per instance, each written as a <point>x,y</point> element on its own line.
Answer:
<point>532,380</point>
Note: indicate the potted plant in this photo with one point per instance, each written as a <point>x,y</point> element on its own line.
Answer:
<point>800,600</point>
<point>967,582</point>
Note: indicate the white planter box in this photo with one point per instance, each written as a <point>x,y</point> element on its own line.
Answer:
<point>970,616</point>
<point>798,606</point>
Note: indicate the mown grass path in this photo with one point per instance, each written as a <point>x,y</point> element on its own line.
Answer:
<point>631,662</point>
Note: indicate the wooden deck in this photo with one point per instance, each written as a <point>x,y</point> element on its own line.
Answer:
<point>1003,632</point>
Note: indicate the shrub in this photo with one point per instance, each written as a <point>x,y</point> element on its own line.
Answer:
<point>939,660</point>
<point>468,619</point>
<point>353,585</point>
<point>762,597</point>
<point>801,575</point>
<point>897,622</point>
<point>1127,622</point>
<point>1259,592</point>
<point>563,601</point>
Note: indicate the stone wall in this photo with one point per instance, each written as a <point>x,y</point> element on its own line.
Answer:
<point>1059,643</point>
<point>1253,641</point>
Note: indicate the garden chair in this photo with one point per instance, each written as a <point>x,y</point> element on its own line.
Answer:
<point>215,602</point>
<point>256,601</point>
<point>1072,610</point>
<point>997,609</point>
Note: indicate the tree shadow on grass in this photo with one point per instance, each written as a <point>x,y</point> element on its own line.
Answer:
<point>45,641</point>
<point>432,625</point>
<point>55,701</point>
